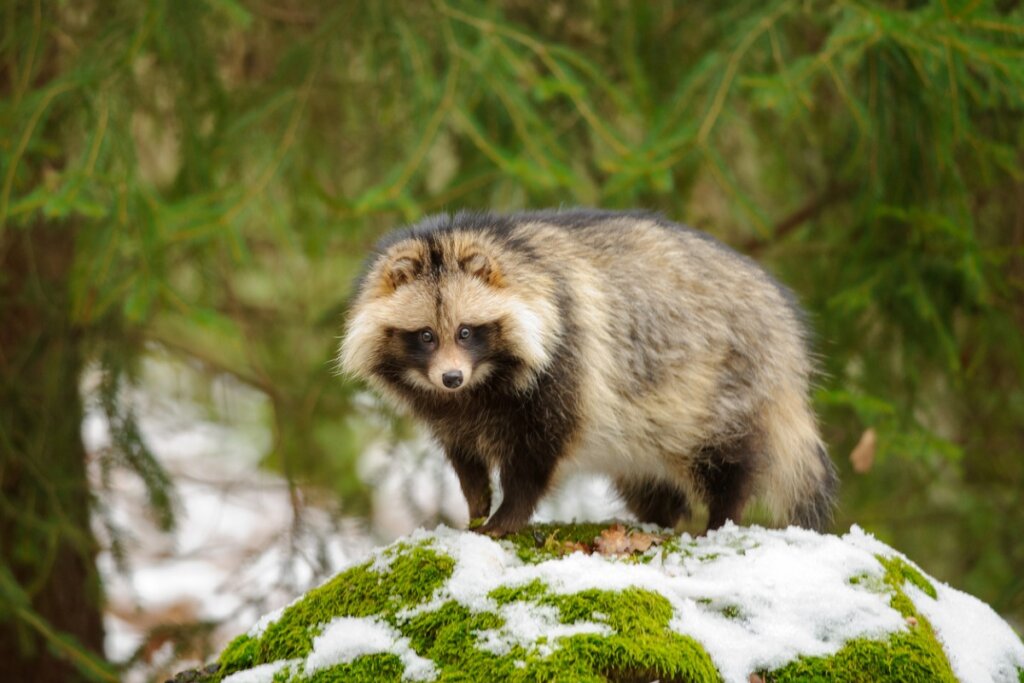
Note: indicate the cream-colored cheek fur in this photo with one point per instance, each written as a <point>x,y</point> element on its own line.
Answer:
<point>410,307</point>
<point>415,378</point>
<point>359,346</point>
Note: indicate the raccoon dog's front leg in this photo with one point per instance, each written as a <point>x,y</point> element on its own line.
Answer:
<point>475,480</point>
<point>525,476</point>
<point>537,432</point>
<point>521,489</point>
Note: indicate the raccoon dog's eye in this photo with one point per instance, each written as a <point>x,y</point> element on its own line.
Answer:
<point>465,332</point>
<point>427,337</point>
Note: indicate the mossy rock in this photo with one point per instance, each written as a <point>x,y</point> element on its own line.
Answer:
<point>786,605</point>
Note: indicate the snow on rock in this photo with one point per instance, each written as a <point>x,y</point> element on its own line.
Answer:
<point>346,638</point>
<point>755,601</point>
<point>264,673</point>
<point>973,635</point>
<point>527,624</point>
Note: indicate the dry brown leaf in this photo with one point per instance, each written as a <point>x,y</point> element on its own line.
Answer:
<point>641,540</point>
<point>612,541</point>
<point>862,457</point>
<point>616,540</point>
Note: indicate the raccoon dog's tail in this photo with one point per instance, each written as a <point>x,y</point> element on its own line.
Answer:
<point>801,482</point>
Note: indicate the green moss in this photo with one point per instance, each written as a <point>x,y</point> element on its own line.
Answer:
<point>539,542</point>
<point>414,574</point>
<point>912,655</point>
<point>527,591</point>
<point>639,646</point>
<point>897,572</point>
<point>448,636</point>
<point>871,582</point>
<point>731,612</point>
<point>241,653</point>
<point>673,545</point>
<point>904,657</point>
<point>285,674</point>
<point>451,628</point>
<point>632,609</point>
<point>378,667</point>
<point>727,610</point>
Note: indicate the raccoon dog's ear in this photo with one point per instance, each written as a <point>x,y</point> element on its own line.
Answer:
<point>481,266</point>
<point>401,271</point>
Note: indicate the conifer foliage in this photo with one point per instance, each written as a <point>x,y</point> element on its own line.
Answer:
<point>203,177</point>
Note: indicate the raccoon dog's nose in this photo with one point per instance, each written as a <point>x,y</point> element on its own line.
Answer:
<point>452,379</point>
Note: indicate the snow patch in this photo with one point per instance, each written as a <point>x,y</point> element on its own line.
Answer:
<point>260,627</point>
<point>534,627</point>
<point>264,673</point>
<point>346,638</point>
<point>974,637</point>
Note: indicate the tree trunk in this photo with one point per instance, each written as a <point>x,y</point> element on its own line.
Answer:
<point>45,537</point>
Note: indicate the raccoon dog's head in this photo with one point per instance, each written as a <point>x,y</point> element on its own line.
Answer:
<point>441,312</point>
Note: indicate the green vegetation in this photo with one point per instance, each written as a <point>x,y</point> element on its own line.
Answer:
<point>912,655</point>
<point>639,645</point>
<point>528,592</point>
<point>382,668</point>
<point>412,577</point>
<point>539,542</point>
<point>200,179</point>
<point>898,572</point>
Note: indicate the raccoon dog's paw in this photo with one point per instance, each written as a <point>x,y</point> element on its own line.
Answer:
<point>495,530</point>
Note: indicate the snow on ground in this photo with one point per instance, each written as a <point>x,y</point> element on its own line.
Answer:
<point>238,549</point>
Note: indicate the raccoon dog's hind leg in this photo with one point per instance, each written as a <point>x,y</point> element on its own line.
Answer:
<point>725,475</point>
<point>653,501</point>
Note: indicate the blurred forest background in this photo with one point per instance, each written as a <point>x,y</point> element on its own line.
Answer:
<point>200,179</point>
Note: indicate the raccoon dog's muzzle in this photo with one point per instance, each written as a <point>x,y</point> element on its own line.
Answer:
<point>450,371</point>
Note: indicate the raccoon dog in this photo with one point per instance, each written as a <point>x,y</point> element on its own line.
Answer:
<point>539,343</point>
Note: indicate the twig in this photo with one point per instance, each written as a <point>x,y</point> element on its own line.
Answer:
<point>831,195</point>
<point>285,15</point>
